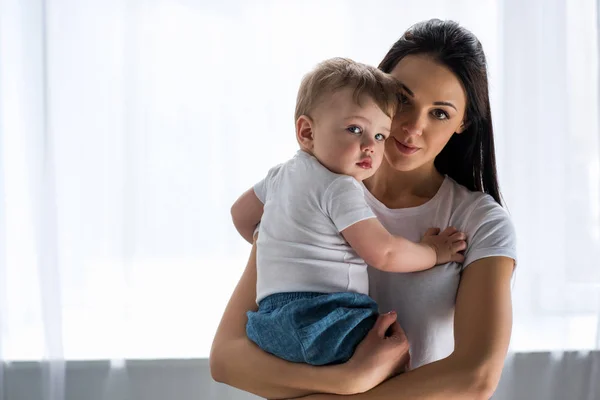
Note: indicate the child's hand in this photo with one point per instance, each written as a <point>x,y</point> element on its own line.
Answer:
<point>446,244</point>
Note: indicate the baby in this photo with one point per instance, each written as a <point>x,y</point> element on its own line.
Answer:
<point>317,234</point>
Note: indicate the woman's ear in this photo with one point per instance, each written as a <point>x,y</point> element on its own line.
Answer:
<point>304,132</point>
<point>464,125</point>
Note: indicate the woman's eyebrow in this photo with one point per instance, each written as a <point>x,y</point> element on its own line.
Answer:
<point>444,103</point>
<point>436,103</point>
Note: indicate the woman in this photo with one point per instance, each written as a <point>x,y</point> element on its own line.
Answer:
<point>439,170</point>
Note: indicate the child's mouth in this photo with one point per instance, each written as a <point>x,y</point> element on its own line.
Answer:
<point>365,164</point>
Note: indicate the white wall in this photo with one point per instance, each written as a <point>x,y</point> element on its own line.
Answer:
<point>571,376</point>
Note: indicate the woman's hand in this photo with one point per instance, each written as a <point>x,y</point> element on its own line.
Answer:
<point>383,353</point>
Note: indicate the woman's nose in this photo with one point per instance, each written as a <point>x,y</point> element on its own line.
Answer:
<point>413,123</point>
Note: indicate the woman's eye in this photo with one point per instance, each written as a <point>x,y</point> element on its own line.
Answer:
<point>380,137</point>
<point>440,114</point>
<point>354,129</point>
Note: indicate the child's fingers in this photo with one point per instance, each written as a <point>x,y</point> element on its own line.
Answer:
<point>459,246</point>
<point>457,257</point>
<point>455,237</point>
<point>432,232</point>
<point>449,231</point>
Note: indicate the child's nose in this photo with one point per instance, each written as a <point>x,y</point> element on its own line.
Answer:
<point>368,144</point>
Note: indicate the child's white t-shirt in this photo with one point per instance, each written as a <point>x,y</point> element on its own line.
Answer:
<point>300,247</point>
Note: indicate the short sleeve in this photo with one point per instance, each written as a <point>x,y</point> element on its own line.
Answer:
<point>344,202</point>
<point>490,232</point>
<point>261,189</point>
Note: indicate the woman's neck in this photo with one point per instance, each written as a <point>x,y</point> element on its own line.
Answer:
<point>402,189</point>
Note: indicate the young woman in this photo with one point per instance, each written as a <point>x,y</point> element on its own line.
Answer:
<point>439,170</point>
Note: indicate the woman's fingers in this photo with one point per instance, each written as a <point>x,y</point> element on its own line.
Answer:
<point>380,356</point>
<point>384,321</point>
<point>399,345</point>
<point>403,365</point>
<point>395,331</point>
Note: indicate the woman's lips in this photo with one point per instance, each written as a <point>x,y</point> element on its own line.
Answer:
<point>406,149</point>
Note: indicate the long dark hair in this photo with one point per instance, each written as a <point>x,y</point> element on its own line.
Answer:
<point>468,158</point>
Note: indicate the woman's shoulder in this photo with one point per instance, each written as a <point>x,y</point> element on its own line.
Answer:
<point>469,202</point>
<point>476,212</point>
<point>461,192</point>
<point>489,227</point>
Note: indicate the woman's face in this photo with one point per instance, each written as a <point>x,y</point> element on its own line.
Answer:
<point>432,110</point>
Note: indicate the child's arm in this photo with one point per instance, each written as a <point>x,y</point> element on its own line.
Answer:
<point>386,252</point>
<point>246,213</point>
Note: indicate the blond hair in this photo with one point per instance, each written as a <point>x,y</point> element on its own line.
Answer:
<point>340,73</point>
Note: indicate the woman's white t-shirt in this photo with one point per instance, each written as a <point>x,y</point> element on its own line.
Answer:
<point>425,300</point>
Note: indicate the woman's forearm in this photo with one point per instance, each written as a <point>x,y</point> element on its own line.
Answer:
<point>446,379</point>
<point>243,365</point>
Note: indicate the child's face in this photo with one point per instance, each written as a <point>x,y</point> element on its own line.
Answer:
<point>348,138</point>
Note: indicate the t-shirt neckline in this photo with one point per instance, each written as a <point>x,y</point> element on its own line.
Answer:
<point>444,187</point>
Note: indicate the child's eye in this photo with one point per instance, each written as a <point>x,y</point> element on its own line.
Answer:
<point>380,137</point>
<point>355,130</point>
<point>440,114</point>
<point>402,98</point>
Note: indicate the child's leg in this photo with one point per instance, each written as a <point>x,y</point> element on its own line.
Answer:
<point>314,328</point>
<point>267,329</point>
<point>337,324</point>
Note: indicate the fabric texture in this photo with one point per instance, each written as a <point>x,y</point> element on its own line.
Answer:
<point>312,328</point>
<point>300,247</point>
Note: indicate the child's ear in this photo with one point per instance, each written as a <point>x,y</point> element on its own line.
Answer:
<point>304,132</point>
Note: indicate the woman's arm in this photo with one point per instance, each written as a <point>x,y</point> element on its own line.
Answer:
<point>238,362</point>
<point>482,327</point>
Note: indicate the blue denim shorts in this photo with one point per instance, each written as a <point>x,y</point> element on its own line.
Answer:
<point>312,328</point>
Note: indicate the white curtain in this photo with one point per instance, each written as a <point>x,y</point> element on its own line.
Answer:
<point>129,127</point>
<point>547,114</point>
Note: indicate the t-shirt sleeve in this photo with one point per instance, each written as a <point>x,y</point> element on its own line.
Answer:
<point>344,202</point>
<point>490,232</point>
<point>261,189</point>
